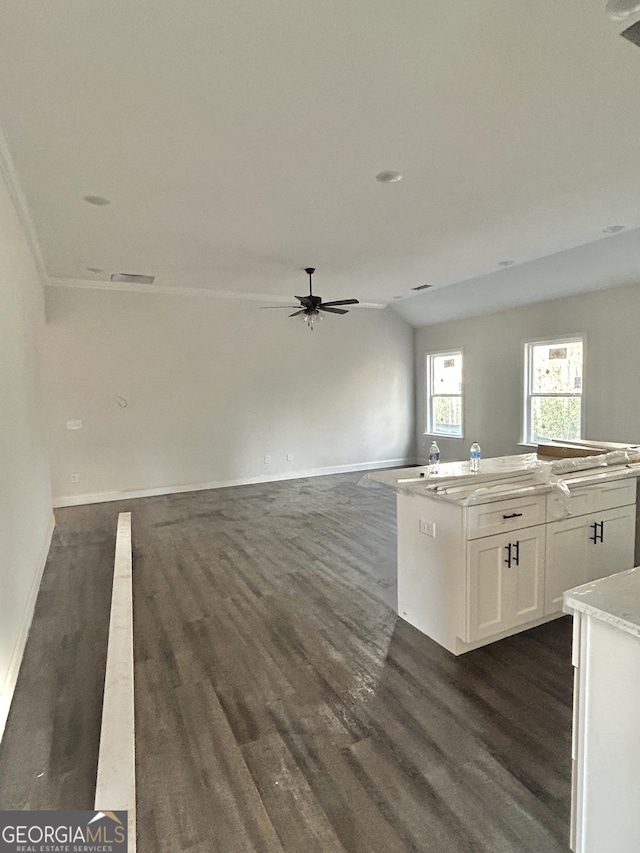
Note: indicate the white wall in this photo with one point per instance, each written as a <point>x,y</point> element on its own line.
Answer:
<point>493,368</point>
<point>25,491</point>
<point>214,385</point>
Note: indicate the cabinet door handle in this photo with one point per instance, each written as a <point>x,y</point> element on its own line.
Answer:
<point>513,515</point>
<point>602,531</point>
<point>516,559</point>
<point>508,560</point>
<point>594,538</point>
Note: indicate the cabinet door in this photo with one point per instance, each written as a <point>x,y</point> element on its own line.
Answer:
<point>613,550</point>
<point>525,581</point>
<point>567,563</point>
<point>586,548</point>
<point>504,582</point>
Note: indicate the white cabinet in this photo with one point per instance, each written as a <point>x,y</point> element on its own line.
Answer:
<point>613,550</point>
<point>585,500</point>
<point>501,516</point>
<point>472,574</point>
<point>606,736</point>
<point>586,548</point>
<point>504,581</point>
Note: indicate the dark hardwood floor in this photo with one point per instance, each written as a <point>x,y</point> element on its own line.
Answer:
<point>280,703</point>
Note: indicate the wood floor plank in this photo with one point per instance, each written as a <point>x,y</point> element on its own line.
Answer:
<point>297,815</point>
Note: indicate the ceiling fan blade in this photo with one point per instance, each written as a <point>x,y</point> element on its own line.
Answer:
<point>278,306</point>
<point>332,310</point>
<point>297,313</point>
<point>342,302</point>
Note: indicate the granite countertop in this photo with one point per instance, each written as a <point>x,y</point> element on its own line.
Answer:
<point>615,600</point>
<point>500,476</point>
<point>491,468</point>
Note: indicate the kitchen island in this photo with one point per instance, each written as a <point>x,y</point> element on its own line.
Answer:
<point>483,556</point>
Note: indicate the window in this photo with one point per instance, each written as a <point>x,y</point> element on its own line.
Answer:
<point>553,390</point>
<point>444,394</point>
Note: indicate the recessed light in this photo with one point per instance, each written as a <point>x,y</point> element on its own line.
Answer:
<point>505,263</point>
<point>613,229</point>
<point>133,278</point>
<point>388,177</point>
<point>98,200</point>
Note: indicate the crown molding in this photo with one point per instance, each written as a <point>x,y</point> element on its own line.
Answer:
<point>8,171</point>
<point>91,284</point>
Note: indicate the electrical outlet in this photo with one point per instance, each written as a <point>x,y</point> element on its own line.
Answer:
<point>267,459</point>
<point>428,528</point>
<point>74,478</point>
<point>289,457</point>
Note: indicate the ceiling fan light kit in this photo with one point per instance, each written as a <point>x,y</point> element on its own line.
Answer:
<point>313,305</point>
<point>310,317</point>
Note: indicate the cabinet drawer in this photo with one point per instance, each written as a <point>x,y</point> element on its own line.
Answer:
<point>588,499</point>
<point>502,516</point>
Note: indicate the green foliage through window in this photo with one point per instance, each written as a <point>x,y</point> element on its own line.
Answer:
<point>554,380</point>
<point>444,394</point>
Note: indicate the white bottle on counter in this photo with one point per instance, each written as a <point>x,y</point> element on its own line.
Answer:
<point>434,458</point>
<point>474,458</point>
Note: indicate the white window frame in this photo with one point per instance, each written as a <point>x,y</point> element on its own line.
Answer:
<point>429,395</point>
<point>529,395</point>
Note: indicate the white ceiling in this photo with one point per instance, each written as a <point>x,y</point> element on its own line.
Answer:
<point>238,143</point>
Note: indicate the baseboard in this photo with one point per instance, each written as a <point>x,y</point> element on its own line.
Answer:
<point>103,497</point>
<point>11,676</point>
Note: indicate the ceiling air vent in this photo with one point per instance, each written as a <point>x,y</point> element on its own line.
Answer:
<point>133,278</point>
<point>633,33</point>
<point>422,287</point>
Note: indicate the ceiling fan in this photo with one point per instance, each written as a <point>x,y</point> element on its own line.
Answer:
<point>313,305</point>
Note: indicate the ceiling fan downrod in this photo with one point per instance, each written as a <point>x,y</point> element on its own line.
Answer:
<point>310,271</point>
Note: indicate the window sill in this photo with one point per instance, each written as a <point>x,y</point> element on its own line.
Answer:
<point>435,435</point>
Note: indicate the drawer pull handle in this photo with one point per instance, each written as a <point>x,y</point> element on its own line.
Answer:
<point>513,515</point>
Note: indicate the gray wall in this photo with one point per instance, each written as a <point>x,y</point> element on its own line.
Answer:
<point>25,491</point>
<point>214,385</point>
<point>493,368</point>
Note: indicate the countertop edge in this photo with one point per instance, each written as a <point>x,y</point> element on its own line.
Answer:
<point>608,600</point>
